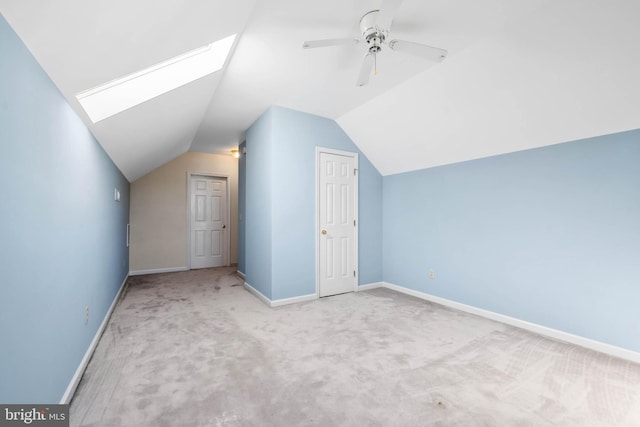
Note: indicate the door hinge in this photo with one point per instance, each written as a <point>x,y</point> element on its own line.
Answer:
<point>354,273</point>
<point>354,222</point>
<point>355,171</point>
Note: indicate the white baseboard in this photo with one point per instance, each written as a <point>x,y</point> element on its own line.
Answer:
<point>257,293</point>
<point>601,347</point>
<point>294,300</point>
<point>369,286</point>
<point>278,302</point>
<point>241,274</point>
<point>157,270</point>
<point>71,388</point>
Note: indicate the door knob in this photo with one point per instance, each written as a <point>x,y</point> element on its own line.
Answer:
<point>224,226</point>
<point>324,231</point>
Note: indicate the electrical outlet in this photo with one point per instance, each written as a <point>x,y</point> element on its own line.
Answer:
<point>432,274</point>
<point>86,315</point>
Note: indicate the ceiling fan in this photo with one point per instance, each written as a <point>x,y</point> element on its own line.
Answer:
<point>375,27</point>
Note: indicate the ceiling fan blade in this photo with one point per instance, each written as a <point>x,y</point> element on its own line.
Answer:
<point>329,42</point>
<point>420,50</point>
<point>388,11</point>
<point>366,69</point>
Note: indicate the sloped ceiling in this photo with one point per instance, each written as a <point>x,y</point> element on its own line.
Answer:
<point>82,44</point>
<point>518,75</point>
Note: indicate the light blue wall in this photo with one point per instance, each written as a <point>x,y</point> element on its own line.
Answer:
<point>62,242</point>
<point>292,140</point>
<point>242,197</point>
<point>259,188</point>
<point>550,235</point>
<point>370,219</point>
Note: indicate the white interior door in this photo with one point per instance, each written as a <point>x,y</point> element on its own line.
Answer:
<point>208,216</point>
<point>337,204</point>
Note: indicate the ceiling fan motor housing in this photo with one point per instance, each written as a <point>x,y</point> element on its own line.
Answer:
<point>372,34</point>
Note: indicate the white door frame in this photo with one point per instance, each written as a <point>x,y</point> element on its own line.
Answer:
<point>317,211</point>
<point>190,175</point>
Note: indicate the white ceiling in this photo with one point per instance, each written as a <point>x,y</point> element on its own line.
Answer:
<point>519,74</point>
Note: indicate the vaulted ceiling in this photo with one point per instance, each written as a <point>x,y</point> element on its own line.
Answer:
<point>519,74</point>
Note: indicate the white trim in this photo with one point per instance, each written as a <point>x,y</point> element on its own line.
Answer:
<point>75,380</point>
<point>157,271</point>
<point>279,302</point>
<point>356,204</point>
<point>294,300</point>
<point>336,152</point>
<point>601,347</point>
<point>370,286</point>
<point>228,191</point>
<point>241,274</point>
<point>316,210</point>
<point>257,293</point>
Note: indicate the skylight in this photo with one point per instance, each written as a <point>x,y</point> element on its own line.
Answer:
<point>121,94</point>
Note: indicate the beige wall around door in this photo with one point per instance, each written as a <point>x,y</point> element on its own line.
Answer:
<point>159,215</point>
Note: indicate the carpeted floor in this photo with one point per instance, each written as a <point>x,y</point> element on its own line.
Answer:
<point>196,349</point>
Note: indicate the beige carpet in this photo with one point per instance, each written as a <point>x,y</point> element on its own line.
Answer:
<point>196,349</point>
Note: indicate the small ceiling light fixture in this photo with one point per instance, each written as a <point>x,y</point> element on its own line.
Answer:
<point>235,153</point>
<point>121,94</point>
